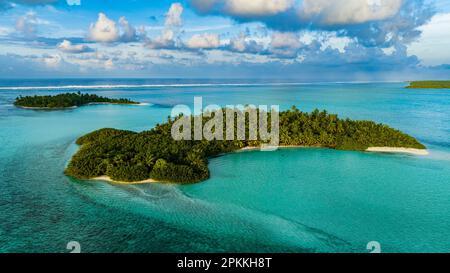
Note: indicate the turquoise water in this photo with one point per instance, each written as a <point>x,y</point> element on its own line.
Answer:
<point>292,200</point>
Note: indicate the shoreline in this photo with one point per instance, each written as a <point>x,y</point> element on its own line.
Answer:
<point>412,151</point>
<point>106,178</point>
<point>75,106</point>
<point>396,150</point>
<point>45,108</point>
<point>254,148</point>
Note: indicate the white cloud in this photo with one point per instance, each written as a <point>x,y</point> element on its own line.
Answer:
<point>204,41</point>
<point>68,47</point>
<point>285,45</point>
<point>244,44</point>
<point>173,16</point>
<point>109,64</point>
<point>285,40</point>
<point>28,23</point>
<point>244,7</point>
<point>104,30</point>
<point>168,38</point>
<point>329,11</point>
<point>372,22</point>
<point>51,61</point>
<point>257,7</point>
<point>433,48</point>
<point>5,31</point>
<point>327,40</point>
<point>165,41</point>
<point>128,32</point>
<point>349,11</point>
<point>388,51</point>
<point>239,43</point>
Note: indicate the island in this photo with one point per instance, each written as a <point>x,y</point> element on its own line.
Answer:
<point>429,85</point>
<point>66,100</point>
<point>154,156</point>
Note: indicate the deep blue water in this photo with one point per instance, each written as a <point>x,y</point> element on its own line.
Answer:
<point>292,200</point>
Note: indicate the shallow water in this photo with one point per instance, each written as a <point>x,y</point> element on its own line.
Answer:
<point>292,200</point>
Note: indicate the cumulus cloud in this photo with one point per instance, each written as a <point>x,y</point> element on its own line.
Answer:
<point>27,24</point>
<point>243,44</point>
<point>14,65</point>
<point>403,28</point>
<point>51,61</point>
<point>285,40</point>
<point>325,11</point>
<point>128,32</point>
<point>67,47</point>
<point>204,41</point>
<point>106,30</point>
<point>372,22</point>
<point>109,64</point>
<point>344,12</point>
<point>257,7</point>
<point>243,7</point>
<point>433,47</point>
<point>166,40</point>
<point>173,16</point>
<point>284,45</point>
<point>366,36</point>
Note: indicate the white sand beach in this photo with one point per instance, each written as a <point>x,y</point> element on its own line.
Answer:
<point>411,151</point>
<point>46,108</point>
<point>398,150</point>
<point>108,179</point>
<point>253,148</point>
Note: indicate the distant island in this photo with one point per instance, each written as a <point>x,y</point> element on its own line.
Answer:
<point>67,100</point>
<point>429,85</point>
<point>151,156</point>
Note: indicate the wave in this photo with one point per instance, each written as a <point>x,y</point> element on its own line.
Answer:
<point>141,86</point>
<point>136,86</point>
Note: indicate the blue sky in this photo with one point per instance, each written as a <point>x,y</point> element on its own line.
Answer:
<point>307,40</point>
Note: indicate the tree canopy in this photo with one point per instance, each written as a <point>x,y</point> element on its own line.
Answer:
<point>129,156</point>
<point>66,100</point>
<point>429,84</point>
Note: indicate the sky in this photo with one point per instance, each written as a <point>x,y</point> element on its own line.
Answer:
<point>305,40</point>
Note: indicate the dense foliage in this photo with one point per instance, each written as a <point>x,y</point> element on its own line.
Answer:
<point>129,156</point>
<point>430,84</point>
<point>65,100</point>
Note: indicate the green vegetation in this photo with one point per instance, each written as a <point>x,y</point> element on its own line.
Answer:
<point>429,84</point>
<point>128,156</point>
<point>65,101</point>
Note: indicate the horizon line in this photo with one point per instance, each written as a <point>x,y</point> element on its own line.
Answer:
<point>180,85</point>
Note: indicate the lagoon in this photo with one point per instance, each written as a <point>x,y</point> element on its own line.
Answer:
<point>292,200</point>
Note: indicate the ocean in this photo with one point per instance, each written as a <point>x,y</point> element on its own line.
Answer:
<point>291,200</point>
